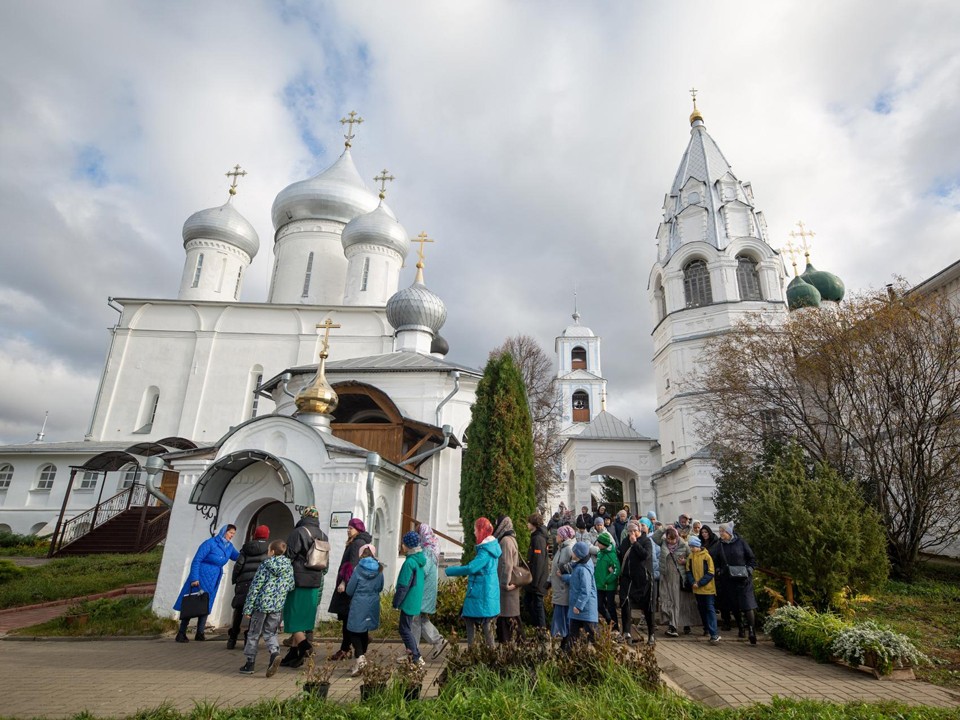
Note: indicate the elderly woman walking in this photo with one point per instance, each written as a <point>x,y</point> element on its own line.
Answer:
<point>206,571</point>
<point>560,625</point>
<point>508,624</point>
<point>482,602</point>
<point>678,606</point>
<point>734,561</point>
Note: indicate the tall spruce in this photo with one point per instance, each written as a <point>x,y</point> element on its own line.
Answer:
<point>498,466</point>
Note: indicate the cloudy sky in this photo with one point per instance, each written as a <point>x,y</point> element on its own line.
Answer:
<point>533,140</point>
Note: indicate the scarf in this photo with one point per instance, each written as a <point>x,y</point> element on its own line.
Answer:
<point>429,543</point>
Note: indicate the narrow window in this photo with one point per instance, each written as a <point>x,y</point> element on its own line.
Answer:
<point>748,279</point>
<point>88,481</point>
<point>196,275</point>
<point>578,358</point>
<point>256,396</point>
<point>696,284</point>
<point>661,299</point>
<point>6,475</point>
<point>48,473</point>
<point>223,274</point>
<point>148,410</point>
<point>306,277</point>
<point>236,288</point>
<point>366,273</point>
<point>581,407</point>
<point>131,473</point>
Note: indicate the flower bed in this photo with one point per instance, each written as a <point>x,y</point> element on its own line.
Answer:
<point>827,637</point>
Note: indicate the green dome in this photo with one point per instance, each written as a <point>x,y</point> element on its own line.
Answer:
<point>801,294</point>
<point>830,286</point>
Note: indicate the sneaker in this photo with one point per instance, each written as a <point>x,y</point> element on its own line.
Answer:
<point>421,662</point>
<point>404,657</point>
<point>358,666</point>
<point>651,640</point>
<point>715,640</point>
<point>274,664</point>
<point>672,632</point>
<point>248,668</point>
<point>626,639</point>
<point>438,650</point>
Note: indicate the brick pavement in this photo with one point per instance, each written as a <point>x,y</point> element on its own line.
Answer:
<point>24,616</point>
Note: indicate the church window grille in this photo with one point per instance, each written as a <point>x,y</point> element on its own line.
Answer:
<point>6,475</point>
<point>131,473</point>
<point>196,274</point>
<point>696,284</point>
<point>236,288</point>
<point>48,473</point>
<point>366,274</point>
<point>578,358</point>
<point>748,279</point>
<point>256,396</point>
<point>89,480</point>
<point>581,407</point>
<point>306,276</point>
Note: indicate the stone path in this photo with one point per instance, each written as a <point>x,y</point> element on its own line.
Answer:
<point>117,678</point>
<point>21,617</point>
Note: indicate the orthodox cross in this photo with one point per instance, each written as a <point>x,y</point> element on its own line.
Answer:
<point>421,238</point>
<point>792,251</point>
<point>693,94</point>
<point>236,173</point>
<point>327,326</point>
<point>803,235</point>
<point>383,178</point>
<point>351,120</point>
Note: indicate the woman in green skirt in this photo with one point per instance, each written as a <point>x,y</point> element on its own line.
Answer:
<point>300,609</point>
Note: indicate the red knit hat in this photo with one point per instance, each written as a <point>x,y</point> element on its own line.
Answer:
<point>261,533</point>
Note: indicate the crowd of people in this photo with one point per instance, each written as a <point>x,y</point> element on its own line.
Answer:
<point>628,572</point>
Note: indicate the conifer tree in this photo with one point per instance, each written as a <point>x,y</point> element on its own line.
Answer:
<point>498,466</point>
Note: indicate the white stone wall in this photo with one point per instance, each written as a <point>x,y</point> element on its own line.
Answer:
<point>328,271</point>
<point>222,263</point>
<point>382,268</point>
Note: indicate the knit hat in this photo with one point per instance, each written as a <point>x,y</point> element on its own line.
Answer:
<point>632,526</point>
<point>357,524</point>
<point>651,514</point>
<point>369,546</point>
<point>605,539</point>
<point>565,532</point>
<point>646,521</point>
<point>310,511</point>
<point>482,529</point>
<point>694,541</point>
<point>261,533</point>
<point>598,520</point>
<point>726,527</point>
<point>581,549</point>
<point>411,539</point>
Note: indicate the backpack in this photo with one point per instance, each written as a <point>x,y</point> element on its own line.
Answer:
<point>318,552</point>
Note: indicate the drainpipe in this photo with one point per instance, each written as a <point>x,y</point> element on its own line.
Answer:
<point>153,467</point>
<point>448,398</point>
<point>373,463</point>
<point>447,432</point>
<point>284,381</point>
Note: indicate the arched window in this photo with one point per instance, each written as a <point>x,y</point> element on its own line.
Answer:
<point>660,297</point>
<point>696,284</point>
<point>252,400</point>
<point>236,288</point>
<point>131,473</point>
<point>89,480</point>
<point>48,473</point>
<point>581,407</point>
<point>196,274</point>
<point>306,276</point>
<point>6,475</point>
<point>578,358</point>
<point>148,410</point>
<point>748,279</point>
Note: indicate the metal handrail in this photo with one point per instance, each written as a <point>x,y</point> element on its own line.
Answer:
<point>154,531</point>
<point>82,524</point>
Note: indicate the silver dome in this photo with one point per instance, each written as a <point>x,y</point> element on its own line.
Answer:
<point>577,331</point>
<point>376,228</point>
<point>338,193</point>
<point>416,308</point>
<point>225,224</point>
<point>439,346</point>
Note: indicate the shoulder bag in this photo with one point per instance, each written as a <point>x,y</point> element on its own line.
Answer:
<point>739,572</point>
<point>194,605</point>
<point>521,575</point>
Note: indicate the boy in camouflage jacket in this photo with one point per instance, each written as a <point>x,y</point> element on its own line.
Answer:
<point>264,606</point>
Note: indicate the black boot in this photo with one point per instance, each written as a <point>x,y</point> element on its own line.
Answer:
<point>292,654</point>
<point>182,637</point>
<point>248,668</point>
<point>200,636</point>
<point>231,642</point>
<point>304,650</point>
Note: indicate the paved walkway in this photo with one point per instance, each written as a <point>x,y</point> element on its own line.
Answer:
<point>21,617</point>
<point>117,678</point>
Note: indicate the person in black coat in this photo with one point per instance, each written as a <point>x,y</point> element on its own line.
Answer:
<point>357,537</point>
<point>538,561</point>
<point>252,554</point>
<point>586,517</point>
<point>636,580</point>
<point>300,609</point>
<point>730,556</point>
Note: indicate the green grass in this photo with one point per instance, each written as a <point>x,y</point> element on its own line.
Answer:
<point>69,577</point>
<point>12,545</point>
<point>122,616</point>
<point>927,611</point>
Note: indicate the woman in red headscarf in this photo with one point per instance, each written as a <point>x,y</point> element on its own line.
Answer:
<point>482,602</point>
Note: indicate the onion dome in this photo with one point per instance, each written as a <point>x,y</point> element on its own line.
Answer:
<point>801,294</point>
<point>338,193</point>
<point>439,346</point>
<point>416,308</point>
<point>830,286</point>
<point>225,224</point>
<point>378,227</point>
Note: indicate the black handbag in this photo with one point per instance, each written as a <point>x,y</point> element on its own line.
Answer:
<point>738,572</point>
<point>195,605</point>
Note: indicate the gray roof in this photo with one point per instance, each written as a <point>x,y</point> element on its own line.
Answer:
<point>74,447</point>
<point>606,426</point>
<point>388,362</point>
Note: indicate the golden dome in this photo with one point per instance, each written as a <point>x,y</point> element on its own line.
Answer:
<point>319,397</point>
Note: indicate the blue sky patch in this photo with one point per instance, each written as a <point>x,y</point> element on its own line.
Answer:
<point>90,166</point>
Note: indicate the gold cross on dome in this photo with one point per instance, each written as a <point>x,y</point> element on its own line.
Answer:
<point>693,94</point>
<point>421,238</point>
<point>236,173</point>
<point>327,325</point>
<point>351,120</point>
<point>383,179</point>
<point>803,235</point>
<point>792,251</point>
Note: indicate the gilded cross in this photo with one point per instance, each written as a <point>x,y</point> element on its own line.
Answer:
<point>235,174</point>
<point>327,325</point>
<point>792,251</point>
<point>803,235</point>
<point>383,178</point>
<point>421,238</point>
<point>693,94</point>
<point>351,120</point>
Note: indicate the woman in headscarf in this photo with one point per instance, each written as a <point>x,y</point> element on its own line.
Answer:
<point>734,562</point>
<point>482,602</point>
<point>300,609</point>
<point>357,537</point>
<point>206,570</point>
<point>508,624</point>
<point>679,608</point>
<point>423,628</point>
<point>560,625</point>
<point>636,580</point>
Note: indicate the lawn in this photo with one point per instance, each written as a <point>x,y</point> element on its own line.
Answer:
<point>76,576</point>
<point>124,616</point>
<point>927,610</point>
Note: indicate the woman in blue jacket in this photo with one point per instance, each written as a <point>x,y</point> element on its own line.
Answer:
<point>482,602</point>
<point>206,571</point>
<point>583,594</point>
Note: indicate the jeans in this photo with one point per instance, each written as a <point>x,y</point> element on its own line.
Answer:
<point>487,626</point>
<point>535,611</point>
<point>707,614</point>
<point>201,624</point>
<point>424,630</point>
<point>406,634</point>
<point>267,624</point>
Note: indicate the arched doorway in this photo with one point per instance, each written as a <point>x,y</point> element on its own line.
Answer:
<point>276,516</point>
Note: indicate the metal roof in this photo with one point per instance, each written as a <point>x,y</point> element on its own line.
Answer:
<point>606,426</point>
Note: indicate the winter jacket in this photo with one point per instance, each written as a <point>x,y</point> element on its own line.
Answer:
<point>430,579</point>
<point>636,572</point>
<point>413,563</point>
<point>483,582</point>
<point>583,592</point>
<point>298,544</point>
<point>364,589</point>
<point>700,572</point>
<point>207,566</point>
<point>563,555</point>
<point>539,562</point>
<point>509,559</point>
<point>340,602</point>
<point>735,552</point>
<point>618,527</point>
<point>269,588</point>
<point>252,554</point>
<point>607,570</point>
<point>655,557</point>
